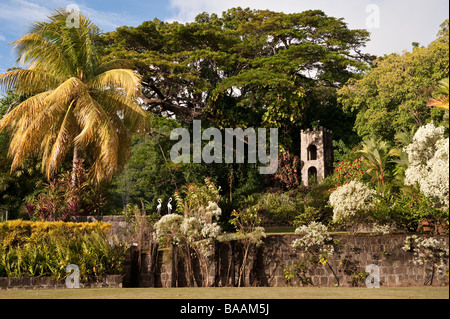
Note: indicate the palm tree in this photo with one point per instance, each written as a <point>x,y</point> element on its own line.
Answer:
<point>76,104</point>
<point>376,156</point>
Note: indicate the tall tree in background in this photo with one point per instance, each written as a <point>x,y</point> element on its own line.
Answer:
<point>76,104</point>
<point>393,95</point>
<point>245,68</point>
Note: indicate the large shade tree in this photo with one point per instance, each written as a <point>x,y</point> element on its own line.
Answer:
<point>76,104</point>
<point>244,68</point>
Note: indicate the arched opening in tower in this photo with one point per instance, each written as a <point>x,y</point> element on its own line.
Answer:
<point>312,152</point>
<point>312,174</point>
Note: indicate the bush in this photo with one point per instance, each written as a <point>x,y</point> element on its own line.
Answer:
<point>428,157</point>
<point>46,248</point>
<point>352,200</point>
<point>277,207</point>
<point>60,198</point>
<point>288,171</point>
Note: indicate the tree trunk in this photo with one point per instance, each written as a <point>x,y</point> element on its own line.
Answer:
<point>74,166</point>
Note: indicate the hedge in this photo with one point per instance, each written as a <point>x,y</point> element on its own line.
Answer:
<point>30,248</point>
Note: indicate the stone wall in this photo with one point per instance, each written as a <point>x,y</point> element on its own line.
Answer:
<point>119,225</point>
<point>267,264</point>
<point>110,281</point>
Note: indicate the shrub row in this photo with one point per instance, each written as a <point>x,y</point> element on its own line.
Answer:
<point>46,248</point>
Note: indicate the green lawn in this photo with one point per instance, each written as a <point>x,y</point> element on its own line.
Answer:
<point>233,293</point>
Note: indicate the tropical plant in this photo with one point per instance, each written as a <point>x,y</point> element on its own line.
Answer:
<point>441,95</point>
<point>76,103</point>
<point>46,249</point>
<point>376,156</point>
<point>61,198</point>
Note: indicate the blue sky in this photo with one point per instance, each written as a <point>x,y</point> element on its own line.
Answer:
<point>401,22</point>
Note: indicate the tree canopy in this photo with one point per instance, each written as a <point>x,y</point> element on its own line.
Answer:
<point>247,67</point>
<point>393,95</point>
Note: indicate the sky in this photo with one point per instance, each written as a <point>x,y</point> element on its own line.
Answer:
<point>393,24</point>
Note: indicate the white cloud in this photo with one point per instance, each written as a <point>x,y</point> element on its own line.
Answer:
<point>2,38</point>
<point>107,20</point>
<point>401,22</point>
<point>22,13</point>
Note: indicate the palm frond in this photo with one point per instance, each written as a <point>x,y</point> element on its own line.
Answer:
<point>62,143</point>
<point>27,81</point>
<point>46,55</point>
<point>115,64</point>
<point>24,112</point>
<point>124,80</point>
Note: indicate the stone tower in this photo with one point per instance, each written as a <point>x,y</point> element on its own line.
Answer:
<point>316,154</point>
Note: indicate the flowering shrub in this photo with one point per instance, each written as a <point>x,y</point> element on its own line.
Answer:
<point>315,240</point>
<point>346,172</point>
<point>196,196</point>
<point>317,248</point>
<point>428,157</point>
<point>350,199</point>
<point>168,230</point>
<point>200,231</point>
<point>195,230</point>
<point>60,199</point>
<point>428,251</point>
<point>287,173</point>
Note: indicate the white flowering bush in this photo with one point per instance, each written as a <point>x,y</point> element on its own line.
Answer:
<point>428,250</point>
<point>168,229</point>
<point>351,198</point>
<point>315,240</point>
<point>428,157</point>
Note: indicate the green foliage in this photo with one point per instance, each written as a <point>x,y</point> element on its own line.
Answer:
<point>306,216</point>
<point>196,196</point>
<point>245,68</point>
<point>406,210</point>
<point>277,207</point>
<point>61,198</point>
<point>45,249</point>
<point>14,186</point>
<point>393,95</point>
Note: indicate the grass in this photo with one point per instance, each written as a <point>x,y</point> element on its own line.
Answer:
<point>231,293</point>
